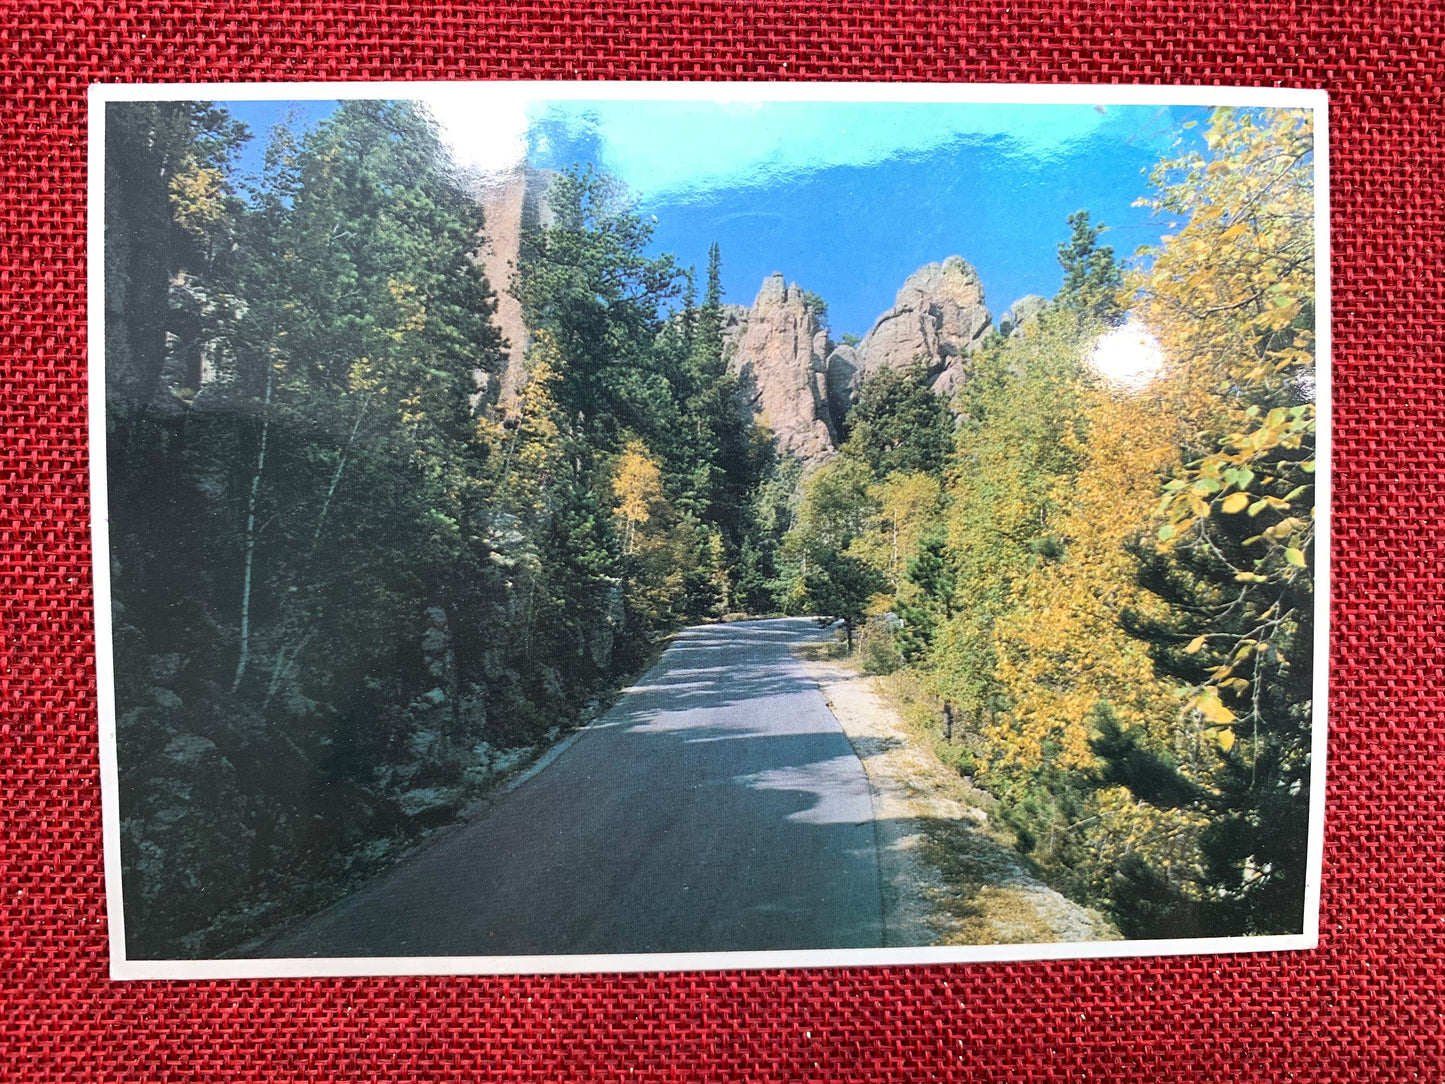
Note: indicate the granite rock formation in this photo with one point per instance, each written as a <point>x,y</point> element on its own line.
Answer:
<point>938,319</point>
<point>513,201</point>
<point>802,385</point>
<point>1021,312</point>
<point>779,352</point>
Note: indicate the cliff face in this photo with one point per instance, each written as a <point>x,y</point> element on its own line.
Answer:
<point>511,202</point>
<point>938,319</point>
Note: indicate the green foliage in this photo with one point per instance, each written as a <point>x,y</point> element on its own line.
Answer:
<point>932,575</point>
<point>760,584</point>
<point>878,648</point>
<point>1233,297</point>
<point>1092,279</point>
<point>899,423</point>
<point>1145,903</point>
<point>839,586</point>
<point>1017,448</point>
<point>836,505</point>
<point>586,280</point>
<point>815,302</point>
<point>352,586</point>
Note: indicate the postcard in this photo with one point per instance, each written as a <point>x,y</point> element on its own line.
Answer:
<point>574,527</point>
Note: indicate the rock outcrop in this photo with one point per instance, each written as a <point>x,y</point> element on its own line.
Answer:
<point>938,319</point>
<point>802,386</point>
<point>200,360</point>
<point>512,202</point>
<point>1020,313</point>
<point>844,374</point>
<point>778,351</point>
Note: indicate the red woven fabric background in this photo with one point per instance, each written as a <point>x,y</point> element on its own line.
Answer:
<point>1367,1006</point>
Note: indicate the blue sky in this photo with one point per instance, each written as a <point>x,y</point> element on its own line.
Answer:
<point>845,198</point>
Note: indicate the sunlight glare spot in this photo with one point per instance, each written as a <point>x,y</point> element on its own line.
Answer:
<point>485,133</point>
<point>1127,357</point>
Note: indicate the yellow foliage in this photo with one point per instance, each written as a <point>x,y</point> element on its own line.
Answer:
<point>199,199</point>
<point>662,546</point>
<point>1060,649</point>
<point>905,507</point>
<point>1231,299</point>
<point>410,309</point>
<point>533,452</point>
<point>1167,838</point>
<point>1208,705</point>
<point>637,486</point>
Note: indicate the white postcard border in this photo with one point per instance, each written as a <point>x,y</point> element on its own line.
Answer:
<point>122,968</point>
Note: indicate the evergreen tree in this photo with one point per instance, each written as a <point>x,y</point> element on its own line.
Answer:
<point>1231,297</point>
<point>932,576</point>
<point>1092,279</point>
<point>706,360</point>
<point>839,586</point>
<point>586,280</point>
<point>1251,652</point>
<point>899,423</point>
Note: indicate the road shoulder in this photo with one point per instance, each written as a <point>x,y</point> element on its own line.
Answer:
<point>948,877</point>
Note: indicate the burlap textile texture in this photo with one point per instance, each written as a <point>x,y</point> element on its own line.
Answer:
<point>1366,1006</point>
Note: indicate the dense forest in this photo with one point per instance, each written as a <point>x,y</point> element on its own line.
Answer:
<point>354,585</point>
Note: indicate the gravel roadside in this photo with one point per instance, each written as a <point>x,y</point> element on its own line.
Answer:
<point>948,877</point>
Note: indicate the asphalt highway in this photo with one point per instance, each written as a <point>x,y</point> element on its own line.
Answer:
<point>716,807</point>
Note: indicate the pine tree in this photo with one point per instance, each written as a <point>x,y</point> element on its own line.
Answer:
<point>899,423</point>
<point>931,575</point>
<point>1250,652</point>
<point>1092,279</point>
<point>839,586</point>
<point>585,278</point>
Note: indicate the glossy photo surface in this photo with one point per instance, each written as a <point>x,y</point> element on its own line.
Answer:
<point>597,527</point>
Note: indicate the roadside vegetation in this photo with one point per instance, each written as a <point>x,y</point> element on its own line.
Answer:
<point>352,586</point>
<point>1103,590</point>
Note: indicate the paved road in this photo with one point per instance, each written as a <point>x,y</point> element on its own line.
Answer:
<point>717,807</point>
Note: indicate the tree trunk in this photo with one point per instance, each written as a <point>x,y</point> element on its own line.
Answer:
<point>336,478</point>
<point>245,653</point>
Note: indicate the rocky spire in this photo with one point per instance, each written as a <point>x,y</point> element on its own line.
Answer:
<point>938,318</point>
<point>801,386</point>
<point>779,353</point>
